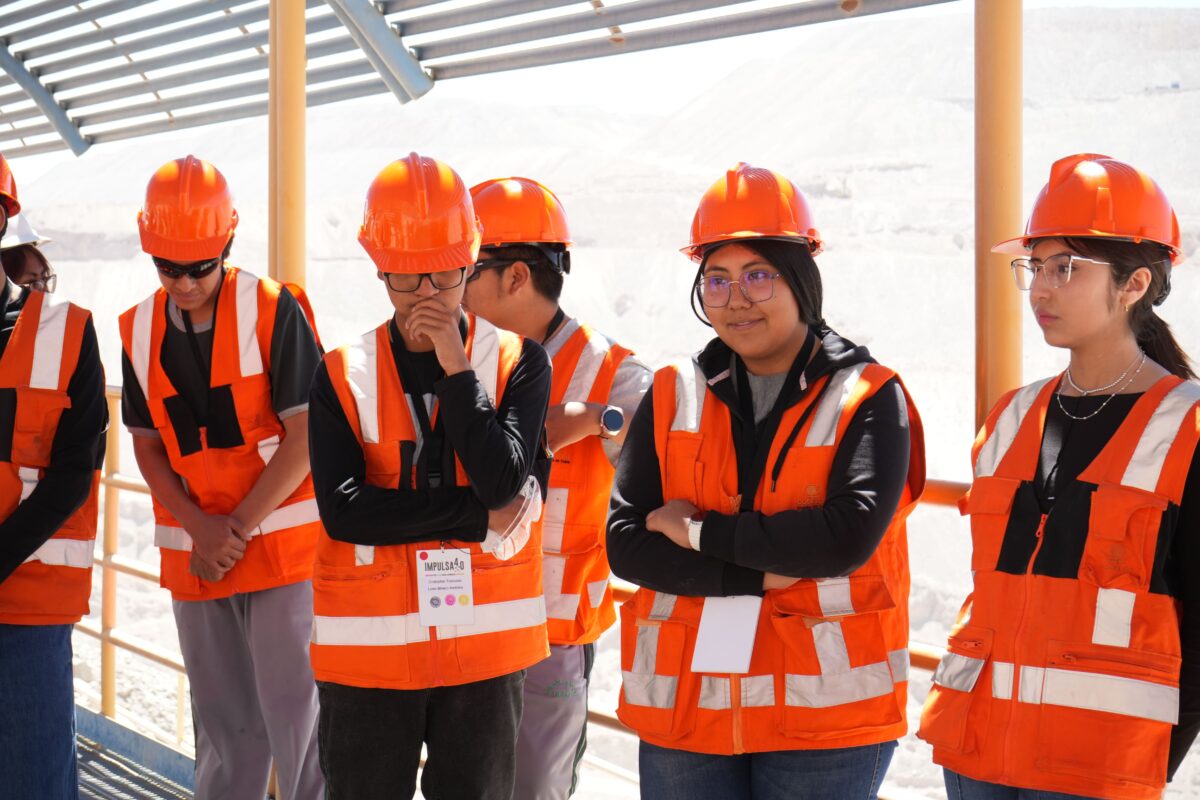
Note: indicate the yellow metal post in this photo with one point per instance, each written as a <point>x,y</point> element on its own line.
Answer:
<point>997,198</point>
<point>272,126</point>
<point>288,62</point>
<point>108,607</point>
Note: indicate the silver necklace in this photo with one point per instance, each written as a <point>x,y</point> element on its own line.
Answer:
<point>1085,392</point>
<point>1058,395</point>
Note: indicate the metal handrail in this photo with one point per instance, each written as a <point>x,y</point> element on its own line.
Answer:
<point>926,657</point>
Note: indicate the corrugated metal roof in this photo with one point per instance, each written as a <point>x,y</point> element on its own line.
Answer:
<point>83,73</point>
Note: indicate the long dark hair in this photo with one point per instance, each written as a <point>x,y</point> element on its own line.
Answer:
<point>794,261</point>
<point>1152,332</point>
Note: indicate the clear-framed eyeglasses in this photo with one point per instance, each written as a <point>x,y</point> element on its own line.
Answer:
<point>756,286</point>
<point>411,281</point>
<point>1056,270</point>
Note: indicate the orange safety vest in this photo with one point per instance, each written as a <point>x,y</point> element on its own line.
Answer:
<point>1070,683</point>
<point>830,662</point>
<point>219,467</point>
<point>53,585</point>
<point>579,600</point>
<point>366,627</point>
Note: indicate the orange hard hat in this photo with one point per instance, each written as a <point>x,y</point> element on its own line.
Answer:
<point>419,218</point>
<point>519,211</point>
<point>751,203</point>
<point>8,189</point>
<point>1097,196</point>
<point>189,214</point>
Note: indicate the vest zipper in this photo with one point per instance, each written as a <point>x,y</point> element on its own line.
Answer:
<point>1017,659</point>
<point>735,706</point>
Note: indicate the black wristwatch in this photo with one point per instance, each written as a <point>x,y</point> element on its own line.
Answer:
<point>612,422</point>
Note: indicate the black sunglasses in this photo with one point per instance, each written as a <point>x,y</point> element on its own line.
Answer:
<point>195,271</point>
<point>491,263</point>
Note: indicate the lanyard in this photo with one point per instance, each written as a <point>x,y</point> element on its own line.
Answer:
<point>429,459</point>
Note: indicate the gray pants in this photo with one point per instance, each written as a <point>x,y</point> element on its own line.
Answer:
<point>553,734</point>
<point>253,693</point>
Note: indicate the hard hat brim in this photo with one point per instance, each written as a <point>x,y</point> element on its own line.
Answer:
<point>1020,245</point>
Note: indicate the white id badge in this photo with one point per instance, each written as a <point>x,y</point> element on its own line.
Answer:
<point>725,640</point>
<point>444,587</point>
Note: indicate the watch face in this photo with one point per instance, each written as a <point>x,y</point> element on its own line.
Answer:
<point>613,419</point>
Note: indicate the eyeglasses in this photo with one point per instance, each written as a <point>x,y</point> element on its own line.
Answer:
<point>756,286</point>
<point>195,271</point>
<point>1055,271</point>
<point>411,281</point>
<point>491,263</point>
<point>46,283</point>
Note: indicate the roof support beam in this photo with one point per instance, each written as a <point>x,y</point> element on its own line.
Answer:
<point>33,12</point>
<point>45,101</point>
<point>593,19</point>
<point>807,13</point>
<point>484,12</point>
<point>383,48</point>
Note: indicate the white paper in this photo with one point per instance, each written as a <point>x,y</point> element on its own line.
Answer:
<point>726,637</point>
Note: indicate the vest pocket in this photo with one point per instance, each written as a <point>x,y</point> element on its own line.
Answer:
<point>1123,528</point>
<point>1107,712</point>
<point>988,504</point>
<point>508,600</point>
<point>362,607</point>
<point>955,715</point>
<point>659,692</point>
<point>35,423</point>
<point>837,675</point>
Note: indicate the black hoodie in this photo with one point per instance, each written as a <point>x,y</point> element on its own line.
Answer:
<point>865,484</point>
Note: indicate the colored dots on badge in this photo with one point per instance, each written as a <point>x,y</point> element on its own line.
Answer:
<point>450,600</point>
<point>463,600</point>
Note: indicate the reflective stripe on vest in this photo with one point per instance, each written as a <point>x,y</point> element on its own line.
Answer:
<point>1009,422</point>
<point>1093,691</point>
<point>44,374</point>
<point>285,517</point>
<point>48,346</point>
<point>44,371</point>
<point>78,553</point>
<point>1145,467</point>
<point>833,401</point>
<point>691,387</point>
<point>388,631</point>
<point>641,685</point>
<point>559,571</point>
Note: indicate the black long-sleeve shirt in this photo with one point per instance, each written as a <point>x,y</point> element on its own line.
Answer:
<point>76,453</point>
<point>1068,447</point>
<point>498,448</point>
<point>866,482</point>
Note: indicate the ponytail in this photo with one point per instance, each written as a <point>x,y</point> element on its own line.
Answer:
<point>1152,332</point>
<point>1155,337</point>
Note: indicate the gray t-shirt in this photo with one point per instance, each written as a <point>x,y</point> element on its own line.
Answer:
<point>633,379</point>
<point>764,391</point>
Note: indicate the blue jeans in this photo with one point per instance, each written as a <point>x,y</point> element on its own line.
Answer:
<point>960,787</point>
<point>850,773</point>
<point>37,713</point>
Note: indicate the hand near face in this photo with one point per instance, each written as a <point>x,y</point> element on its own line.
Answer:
<point>431,320</point>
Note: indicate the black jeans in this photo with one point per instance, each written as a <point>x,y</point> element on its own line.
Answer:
<point>371,739</point>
